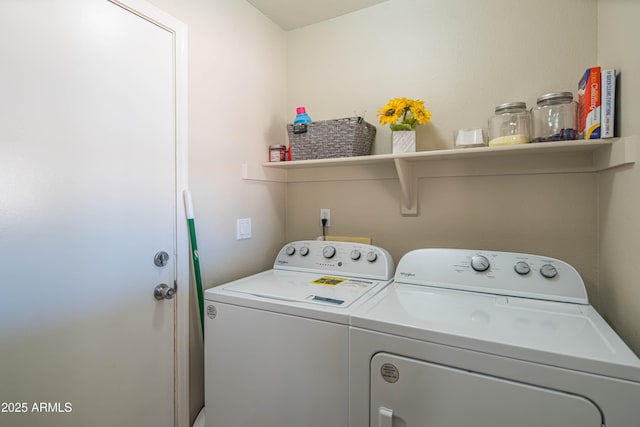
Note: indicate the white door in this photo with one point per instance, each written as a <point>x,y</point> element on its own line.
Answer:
<point>87,198</point>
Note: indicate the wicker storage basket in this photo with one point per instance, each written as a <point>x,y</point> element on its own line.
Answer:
<point>326,139</point>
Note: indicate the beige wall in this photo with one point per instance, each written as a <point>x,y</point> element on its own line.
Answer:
<point>619,190</point>
<point>479,212</point>
<point>463,58</point>
<point>237,105</point>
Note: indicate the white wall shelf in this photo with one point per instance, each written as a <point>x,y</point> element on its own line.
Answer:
<point>540,158</point>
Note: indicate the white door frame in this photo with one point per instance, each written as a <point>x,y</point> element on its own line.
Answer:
<point>182,256</point>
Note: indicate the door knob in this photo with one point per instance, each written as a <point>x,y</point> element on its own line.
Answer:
<point>163,291</point>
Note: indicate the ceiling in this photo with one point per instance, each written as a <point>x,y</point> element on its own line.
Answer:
<point>292,14</point>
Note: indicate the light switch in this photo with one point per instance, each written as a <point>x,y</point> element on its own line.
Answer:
<point>243,228</point>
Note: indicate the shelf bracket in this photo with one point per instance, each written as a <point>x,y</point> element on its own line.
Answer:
<point>409,187</point>
<point>621,152</point>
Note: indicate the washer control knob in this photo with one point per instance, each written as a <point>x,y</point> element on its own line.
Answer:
<point>548,271</point>
<point>522,268</point>
<point>304,251</point>
<point>480,263</point>
<point>372,256</point>
<point>329,252</point>
<point>290,250</point>
<point>355,254</point>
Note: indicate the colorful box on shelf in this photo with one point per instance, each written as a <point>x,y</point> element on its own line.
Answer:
<point>589,99</point>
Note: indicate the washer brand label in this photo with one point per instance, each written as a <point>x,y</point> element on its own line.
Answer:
<point>407,274</point>
<point>212,311</point>
<point>389,373</point>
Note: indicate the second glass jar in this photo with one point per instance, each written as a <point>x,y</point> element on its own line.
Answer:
<point>555,117</point>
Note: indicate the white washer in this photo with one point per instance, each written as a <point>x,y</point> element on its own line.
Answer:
<point>277,343</point>
<point>481,338</point>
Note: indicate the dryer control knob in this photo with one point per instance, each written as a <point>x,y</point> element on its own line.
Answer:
<point>522,268</point>
<point>304,251</point>
<point>372,256</point>
<point>290,250</point>
<point>548,271</point>
<point>480,263</point>
<point>355,254</point>
<point>328,251</point>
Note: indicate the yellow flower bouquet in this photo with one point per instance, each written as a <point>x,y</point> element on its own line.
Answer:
<point>404,114</point>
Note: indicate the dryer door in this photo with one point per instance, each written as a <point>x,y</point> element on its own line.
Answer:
<point>408,392</point>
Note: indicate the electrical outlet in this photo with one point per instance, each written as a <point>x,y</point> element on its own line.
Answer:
<point>325,214</point>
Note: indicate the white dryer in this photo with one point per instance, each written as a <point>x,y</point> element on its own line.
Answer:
<point>277,343</point>
<point>488,339</point>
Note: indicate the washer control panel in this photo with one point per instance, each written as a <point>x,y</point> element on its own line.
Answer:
<point>340,258</point>
<point>502,273</point>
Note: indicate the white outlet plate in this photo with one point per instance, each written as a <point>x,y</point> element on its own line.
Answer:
<point>325,213</point>
<point>243,228</point>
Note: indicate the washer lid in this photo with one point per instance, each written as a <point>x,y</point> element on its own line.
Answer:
<point>308,294</point>
<point>561,334</point>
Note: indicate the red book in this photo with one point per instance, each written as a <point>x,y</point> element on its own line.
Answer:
<point>589,100</point>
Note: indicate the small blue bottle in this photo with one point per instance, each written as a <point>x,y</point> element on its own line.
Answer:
<point>301,116</point>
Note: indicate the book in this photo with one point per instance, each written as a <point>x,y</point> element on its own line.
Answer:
<point>607,120</point>
<point>589,98</point>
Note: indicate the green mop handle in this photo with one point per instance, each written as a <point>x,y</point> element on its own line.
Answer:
<point>194,253</point>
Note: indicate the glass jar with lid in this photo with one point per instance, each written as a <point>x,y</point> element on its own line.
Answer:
<point>555,117</point>
<point>511,124</point>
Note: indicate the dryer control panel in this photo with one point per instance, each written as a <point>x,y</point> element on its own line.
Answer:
<point>340,258</point>
<point>501,273</point>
